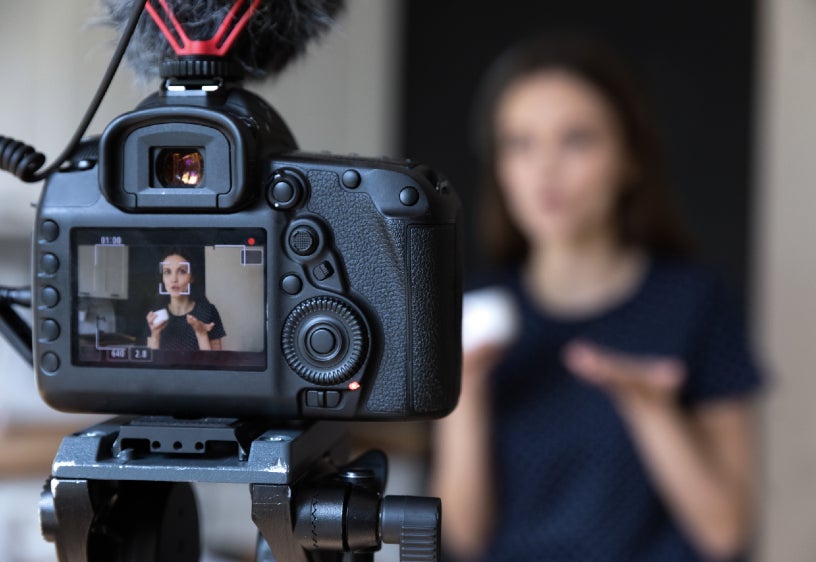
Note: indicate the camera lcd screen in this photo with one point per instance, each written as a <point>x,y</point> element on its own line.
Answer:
<point>170,298</point>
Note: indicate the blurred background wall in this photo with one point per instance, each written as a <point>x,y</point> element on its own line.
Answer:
<point>785,272</point>
<point>734,83</point>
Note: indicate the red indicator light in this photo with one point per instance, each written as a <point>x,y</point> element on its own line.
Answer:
<point>354,386</point>
<point>251,242</point>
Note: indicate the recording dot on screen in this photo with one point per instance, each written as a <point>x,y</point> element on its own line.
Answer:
<point>251,242</point>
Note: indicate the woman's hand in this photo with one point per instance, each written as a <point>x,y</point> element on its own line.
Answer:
<point>462,469</point>
<point>199,327</point>
<point>630,379</point>
<point>701,460</point>
<point>155,330</point>
<point>202,332</point>
<point>479,362</point>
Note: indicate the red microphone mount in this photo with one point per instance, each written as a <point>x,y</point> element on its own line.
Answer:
<point>216,46</point>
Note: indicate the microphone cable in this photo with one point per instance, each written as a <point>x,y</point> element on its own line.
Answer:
<point>24,161</point>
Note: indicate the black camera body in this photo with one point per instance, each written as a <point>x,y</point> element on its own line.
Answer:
<point>315,286</point>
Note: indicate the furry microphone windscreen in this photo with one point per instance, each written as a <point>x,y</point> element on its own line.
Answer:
<point>278,31</point>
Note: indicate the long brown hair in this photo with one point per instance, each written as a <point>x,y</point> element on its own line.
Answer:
<point>645,214</point>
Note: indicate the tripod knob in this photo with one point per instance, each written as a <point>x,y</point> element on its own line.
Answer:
<point>346,512</point>
<point>415,523</point>
<point>48,516</point>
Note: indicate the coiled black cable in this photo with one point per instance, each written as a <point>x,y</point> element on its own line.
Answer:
<point>24,161</point>
<point>19,158</point>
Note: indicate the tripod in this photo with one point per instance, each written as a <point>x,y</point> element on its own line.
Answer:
<point>120,491</point>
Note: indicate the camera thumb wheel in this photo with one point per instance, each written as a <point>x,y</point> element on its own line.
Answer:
<point>324,341</point>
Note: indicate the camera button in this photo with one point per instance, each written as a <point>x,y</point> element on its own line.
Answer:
<point>409,196</point>
<point>282,192</point>
<point>285,189</point>
<point>49,362</point>
<point>49,263</point>
<point>49,330</point>
<point>323,398</point>
<point>49,296</point>
<point>315,398</point>
<point>49,231</point>
<point>291,284</point>
<point>322,341</point>
<point>351,179</point>
<point>323,271</point>
<point>333,398</point>
<point>303,240</point>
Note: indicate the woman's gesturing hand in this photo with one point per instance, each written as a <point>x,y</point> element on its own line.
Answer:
<point>628,378</point>
<point>198,326</point>
<point>701,460</point>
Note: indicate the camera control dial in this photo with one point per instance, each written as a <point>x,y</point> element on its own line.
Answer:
<point>285,189</point>
<point>324,341</point>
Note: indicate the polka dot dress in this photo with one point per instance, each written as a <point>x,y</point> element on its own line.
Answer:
<point>570,485</point>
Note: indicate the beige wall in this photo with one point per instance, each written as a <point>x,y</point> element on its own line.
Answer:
<point>786,274</point>
<point>237,291</point>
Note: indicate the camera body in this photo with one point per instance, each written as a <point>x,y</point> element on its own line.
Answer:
<point>315,286</point>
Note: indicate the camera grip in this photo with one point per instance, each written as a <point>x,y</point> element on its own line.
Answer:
<point>434,311</point>
<point>398,264</point>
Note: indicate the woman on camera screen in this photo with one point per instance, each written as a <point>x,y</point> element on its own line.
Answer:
<point>618,424</point>
<point>187,321</point>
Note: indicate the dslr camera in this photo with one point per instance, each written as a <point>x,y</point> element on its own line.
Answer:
<point>192,262</point>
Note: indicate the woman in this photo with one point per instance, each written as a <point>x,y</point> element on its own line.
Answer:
<point>620,424</point>
<point>191,322</point>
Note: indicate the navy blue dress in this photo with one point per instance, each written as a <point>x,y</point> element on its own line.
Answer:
<point>570,485</point>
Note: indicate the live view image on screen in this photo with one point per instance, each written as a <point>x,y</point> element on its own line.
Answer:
<point>170,298</point>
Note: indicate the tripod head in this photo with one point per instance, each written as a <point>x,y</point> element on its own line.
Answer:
<point>120,492</point>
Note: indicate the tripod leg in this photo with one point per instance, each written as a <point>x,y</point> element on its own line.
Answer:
<point>109,521</point>
<point>66,513</point>
<point>145,522</point>
<point>271,512</point>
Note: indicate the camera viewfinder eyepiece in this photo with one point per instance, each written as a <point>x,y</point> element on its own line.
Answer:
<point>179,167</point>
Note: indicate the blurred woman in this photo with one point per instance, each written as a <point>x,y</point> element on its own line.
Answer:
<point>620,424</point>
